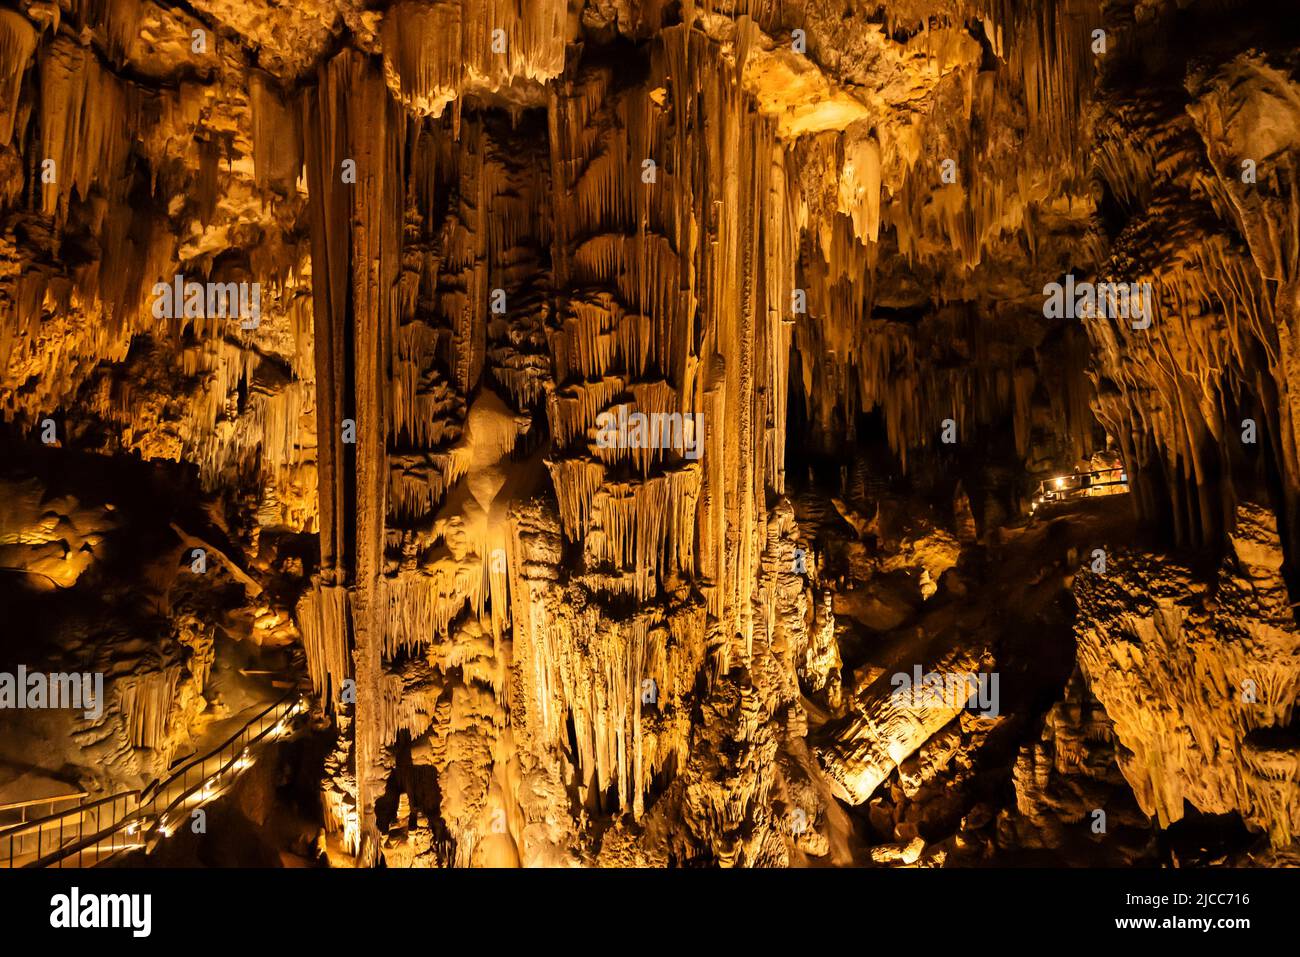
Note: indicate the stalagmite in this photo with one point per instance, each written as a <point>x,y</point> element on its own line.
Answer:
<point>892,718</point>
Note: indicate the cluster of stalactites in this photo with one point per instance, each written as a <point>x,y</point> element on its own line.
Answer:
<point>1202,385</point>
<point>436,52</point>
<point>1055,56</point>
<point>17,44</point>
<point>323,615</point>
<point>421,604</point>
<point>80,155</point>
<point>106,154</point>
<point>146,702</point>
<point>612,678</point>
<point>957,201</point>
<point>674,286</point>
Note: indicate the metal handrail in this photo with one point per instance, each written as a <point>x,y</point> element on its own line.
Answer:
<point>1073,479</point>
<point>240,744</point>
<point>138,806</point>
<point>20,838</point>
<point>185,768</point>
<point>51,800</point>
<point>82,842</point>
<point>1078,484</point>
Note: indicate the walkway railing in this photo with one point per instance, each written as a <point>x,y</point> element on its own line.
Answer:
<point>1064,488</point>
<point>25,844</point>
<point>201,779</point>
<point>90,834</point>
<point>21,809</point>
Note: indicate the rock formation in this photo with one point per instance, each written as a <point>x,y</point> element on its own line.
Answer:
<point>604,408</point>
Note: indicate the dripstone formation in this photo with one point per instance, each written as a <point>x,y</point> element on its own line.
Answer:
<point>597,406</point>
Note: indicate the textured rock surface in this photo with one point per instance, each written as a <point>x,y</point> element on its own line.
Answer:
<point>1200,678</point>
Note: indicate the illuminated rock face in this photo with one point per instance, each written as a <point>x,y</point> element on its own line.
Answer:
<point>633,390</point>
<point>1200,678</point>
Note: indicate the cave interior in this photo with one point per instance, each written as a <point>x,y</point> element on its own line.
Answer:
<point>650,433</point>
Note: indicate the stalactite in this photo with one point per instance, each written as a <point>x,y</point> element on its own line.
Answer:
<point>576,482</point>
<point>1177,386</point>
<point>409,701</point>
<point>147,702</point>
<point>639,520</point>
<point>277,141</point>
<point>86,118</point>
<point>323,615</point>
<point>419,606</point>
<point>572,409</point>
<point>417,482</point>
<point>17,44</point>
<point>434,53</point>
